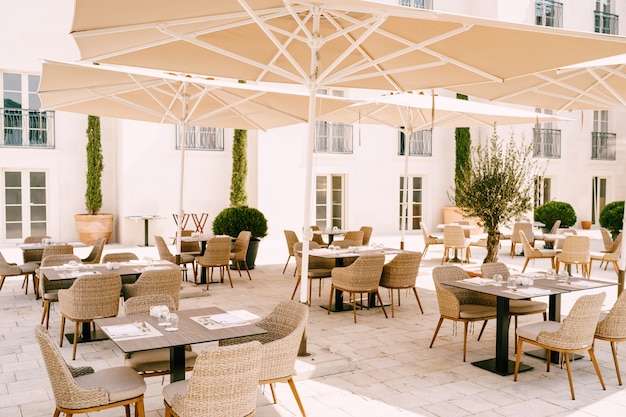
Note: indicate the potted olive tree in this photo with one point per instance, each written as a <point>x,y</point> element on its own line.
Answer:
<point>93,224</point>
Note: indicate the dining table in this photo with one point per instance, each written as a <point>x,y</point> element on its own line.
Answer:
<point>331,233</point>
<point>541,286</point>
<point>201,325</point>
<point>146,220</point>
<point>129,271</point>
<point>339,255</point>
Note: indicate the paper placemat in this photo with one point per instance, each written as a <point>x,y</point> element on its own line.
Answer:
<point>582,284</point>
<point>533,291</point>
<point>478,281</point>
<point>131,331</point>
<point>76,274</point>
<point>228,319</point>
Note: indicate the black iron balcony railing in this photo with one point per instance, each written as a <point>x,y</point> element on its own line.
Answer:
<point>202,138</point>
<point>420,4</point>
<point>606,22</point>
<point>421,143</point>
<point>333,137</point>
<point>546,143</point>
<point>603,146</point>
<point>27,128</point>
<point>549,13</point>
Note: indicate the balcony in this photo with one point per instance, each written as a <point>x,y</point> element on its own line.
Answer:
<point>23,128</point>
<point>549,13</point>
<point>547,143</point>
<point>202,138</point>
<point>603,146</point>
<point>419,4</point>
<point>420,144</point>
<point>333,137</point>
<point>606,22</point>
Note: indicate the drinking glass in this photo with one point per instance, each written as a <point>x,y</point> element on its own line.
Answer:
<point>171,321</point>
<point>497,279</point>
<point>551,274</point>
<point>163,313</point>
<point>563,276</point>
<point>511,283</point>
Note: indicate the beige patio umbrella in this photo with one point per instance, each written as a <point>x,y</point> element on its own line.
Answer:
<point>156,96</point>
<point>411,112</point>
<point>332,43</point>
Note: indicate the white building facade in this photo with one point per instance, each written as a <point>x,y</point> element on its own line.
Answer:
<point>357,169</point>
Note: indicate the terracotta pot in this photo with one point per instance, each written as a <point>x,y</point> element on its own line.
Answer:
<point>585,224</point>
<point>90,227</point>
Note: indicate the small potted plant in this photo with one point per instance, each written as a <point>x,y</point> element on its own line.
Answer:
<point>612,217</point>
<point>233,220</point>
<point>552,211</point>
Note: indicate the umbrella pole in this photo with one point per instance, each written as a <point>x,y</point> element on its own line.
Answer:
<point>404,218</point>
<point>183,134</point>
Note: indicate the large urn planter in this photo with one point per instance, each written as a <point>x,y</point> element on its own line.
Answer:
<point>91,227</point>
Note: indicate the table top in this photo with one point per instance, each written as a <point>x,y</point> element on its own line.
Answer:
<point>145,217</point>
<point>329,232</point>
<point>125,268</point>
<point>346,253</point>
<point>190,330</point>
<point>463,226</point>
<point>201,238</point>
<point>29,246</point>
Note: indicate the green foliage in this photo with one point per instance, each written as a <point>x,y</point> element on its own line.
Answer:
<point>95,165</point>
<point>496,187</point>
<point>552,211</point>
<point>233,220</point>
<point>612,217</point>
<point>463,143</point>
<point>238,195</point>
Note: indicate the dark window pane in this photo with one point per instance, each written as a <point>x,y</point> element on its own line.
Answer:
<point>13,196</point>
<point>38,229</point>
<point>12,179</point>
<point>14,214</point>
<point>37,179</point>
<point>38,213</point>
<point>14,231</point>
<point>37,196</point>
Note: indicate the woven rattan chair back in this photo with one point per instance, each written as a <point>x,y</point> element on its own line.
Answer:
<point>291,238</point>
<point>141,304</point>
<point>164,252</point>
<point>33,255</point>
<point>48,290</point>
<point>429,239</point>
<point>401,273</point>
<point>155,282</point>
<point>612,328</point>
<point>355,236</point>
<point>525,227</point>
<point>223,384</point>
<point>367,234</point>
<point>96,252</point>
<point>119,257</point>
<point>576,251</point>
<point>217,255</point>
<point>607,239</point>
<point>285,326</point>
<point>239,251</point>
<point>189,247</point>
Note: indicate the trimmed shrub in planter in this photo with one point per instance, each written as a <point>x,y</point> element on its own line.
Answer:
<point>612,217</point>
<point>233,220</point>
<point>553,211</point>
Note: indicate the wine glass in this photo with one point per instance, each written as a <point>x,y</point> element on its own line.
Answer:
<point>497,279</point>
<point>511,283</point>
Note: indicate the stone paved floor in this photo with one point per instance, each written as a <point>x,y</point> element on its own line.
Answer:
<point>378,367</point>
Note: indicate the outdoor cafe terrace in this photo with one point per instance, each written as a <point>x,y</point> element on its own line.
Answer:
<point>377,367</point>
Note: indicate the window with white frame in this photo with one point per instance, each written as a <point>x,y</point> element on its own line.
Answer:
<point>543,187</point>
<point>201,138</point>
<point>421,143</point>
<point>598,197</point>
<point>414,204</point>
<point>329,201</point>
<point>25,204</point>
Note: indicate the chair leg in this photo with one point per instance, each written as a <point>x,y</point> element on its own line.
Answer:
<point>482,329</point>
<point>614,350</point>
<point>286,263</point>
<point>330,298</point>
<point>392,313</point>
<point>419,303</point>
<point>293,294</point>
<point>569,377</point>
<point>354,307</point>
<point>44,314</point>
<point>518,355</point>
<point>465,323</point>
<point>380,300</point>
<point>525,264</point>
<point>436,331</point>
<point>76,329</point>
<point>245,263</point>
<point>292,385</point>
<point>425,249</point>
<point>62,330</point>
<point>592,355</point>
<point>271,384</point>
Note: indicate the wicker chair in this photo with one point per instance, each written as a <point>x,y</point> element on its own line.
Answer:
<point>353,236</point>
<point>13,270</point>
<point>574,335</point>
<point>49,290</point>
<point>81,390</point>
<point>401,273</point>
<point>292,239</point>
<point>216,255</point>
<point>610,256</point>
<point>319,268</point>
<point>549,243</point>
<point>239,251</point>
<point>531,252</point>
<point>458,304</point>
<point>166,255</point>
<point>361,277</point>
<point>429,239</point>
<point>612,328</point>
<point>285,327</point>
<point>33,255</point>
<point>575,252</point>
<point>516,307</point>
<point>53,250</point>
<point>454,239</point>
<point>607,239</point>
<point>154,362</point>
<point>367,235</point>
<point>223,384</point>
<point>89,297</point>
<point>96,252</point>
<point>317,237</point>
<point>119,257</point>
<point>165,281</point>
<point>525,227</point>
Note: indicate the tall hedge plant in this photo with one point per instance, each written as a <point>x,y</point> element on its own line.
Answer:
<point>95,166</point>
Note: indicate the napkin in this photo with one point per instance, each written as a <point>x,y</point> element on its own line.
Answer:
<point>478,281</point>
<point>584,284</point>
<point>533,291</point>
<point>227,319</point>
<point>123,330</point>
<point>76,274</point>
